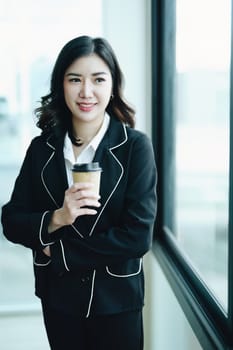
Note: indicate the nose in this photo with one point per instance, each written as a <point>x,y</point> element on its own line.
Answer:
<point>86,90</point>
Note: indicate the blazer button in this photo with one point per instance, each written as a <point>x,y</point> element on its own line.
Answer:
<point>85,279</point>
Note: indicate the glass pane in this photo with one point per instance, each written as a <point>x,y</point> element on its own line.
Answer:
<point>31,35</point>
<point>202,137</point>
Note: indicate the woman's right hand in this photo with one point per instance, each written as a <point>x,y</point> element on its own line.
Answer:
<point>77,200</point>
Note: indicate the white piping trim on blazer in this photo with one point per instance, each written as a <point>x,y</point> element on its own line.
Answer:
<point>49,193</point>
<point>120,177</point>
<point>123,276</point>
<point>77,231</point>
<point>92,293</point>
<point>41,225</point>
<point>42,175</point>
<point>37,264</point>
<point>63,255</point>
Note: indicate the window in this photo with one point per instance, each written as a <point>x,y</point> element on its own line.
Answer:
<point>201,114</point>
<point>192,108</point>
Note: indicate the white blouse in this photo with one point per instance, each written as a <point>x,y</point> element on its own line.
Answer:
<point>87,154</point>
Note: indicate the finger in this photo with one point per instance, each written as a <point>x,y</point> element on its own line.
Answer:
<point>77,186</point>
<point>86,211</point>
<point>87,202</point>
<point>85,194</point>
<point>46,251</point>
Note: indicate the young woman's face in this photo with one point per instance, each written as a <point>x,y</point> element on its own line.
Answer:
<point>87,88</point>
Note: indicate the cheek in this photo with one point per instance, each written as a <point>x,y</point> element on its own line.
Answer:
<point>68,94</point>
<point>108,93</point>
<point>65,92</point>
<point>65,97</point>
<point>106,98</point>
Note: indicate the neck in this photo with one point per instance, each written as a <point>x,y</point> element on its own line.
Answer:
<point>85,132</point>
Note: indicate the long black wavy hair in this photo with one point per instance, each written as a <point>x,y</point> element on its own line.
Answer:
<point>53,111</point>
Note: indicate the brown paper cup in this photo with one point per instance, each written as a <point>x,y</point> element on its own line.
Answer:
<point>88,172</point>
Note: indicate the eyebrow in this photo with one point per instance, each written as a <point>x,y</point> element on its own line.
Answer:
<point>80,75</point>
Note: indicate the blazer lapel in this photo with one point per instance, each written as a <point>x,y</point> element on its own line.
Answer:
<point>112,172</point>
<point>53,174</point>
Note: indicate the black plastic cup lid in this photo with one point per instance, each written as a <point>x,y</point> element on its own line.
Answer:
<point>86,167</point>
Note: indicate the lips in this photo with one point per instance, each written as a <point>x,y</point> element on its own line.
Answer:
<point>86,107</point>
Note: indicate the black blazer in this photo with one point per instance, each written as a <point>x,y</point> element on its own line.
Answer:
<point>96,263</point>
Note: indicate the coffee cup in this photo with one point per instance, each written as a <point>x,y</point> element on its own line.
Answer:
<point>87,172</point>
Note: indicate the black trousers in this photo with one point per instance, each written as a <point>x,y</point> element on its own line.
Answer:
<point>123,331</point>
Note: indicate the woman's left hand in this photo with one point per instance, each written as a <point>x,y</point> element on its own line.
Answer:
<point>46,251</point>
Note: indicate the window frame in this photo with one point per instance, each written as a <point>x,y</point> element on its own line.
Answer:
<point>211,324</point>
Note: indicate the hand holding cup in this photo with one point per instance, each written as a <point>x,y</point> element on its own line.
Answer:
<point>81,198</point>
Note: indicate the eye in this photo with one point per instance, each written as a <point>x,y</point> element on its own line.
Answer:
<point>99,80</point>
<point>75,80</point>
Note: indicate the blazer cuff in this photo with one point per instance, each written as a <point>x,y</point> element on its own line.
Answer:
<point>46,238</point>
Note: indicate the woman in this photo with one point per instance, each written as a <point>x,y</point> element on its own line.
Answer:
<point>87,249</point>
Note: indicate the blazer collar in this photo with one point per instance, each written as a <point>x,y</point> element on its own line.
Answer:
<point>113,171</point>
<point>115,136</point>
<point>53,173</point>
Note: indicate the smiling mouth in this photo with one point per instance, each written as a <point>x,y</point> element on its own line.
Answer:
<point>86,107</point>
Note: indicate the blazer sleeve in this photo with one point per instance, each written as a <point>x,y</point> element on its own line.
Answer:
<point>21,223</point>
<point>132,237</point>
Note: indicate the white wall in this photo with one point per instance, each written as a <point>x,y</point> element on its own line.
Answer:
<point>126,24</point>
